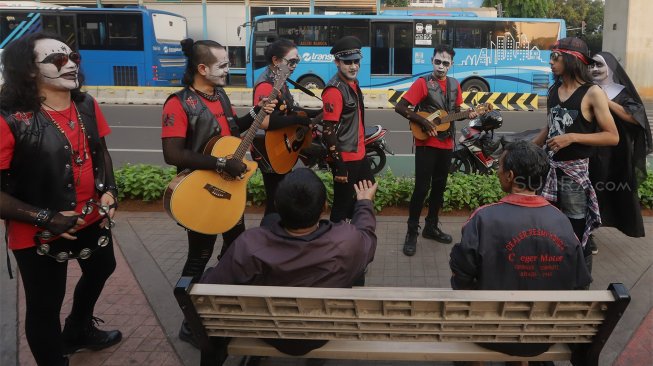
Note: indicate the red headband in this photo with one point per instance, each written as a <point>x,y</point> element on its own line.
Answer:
<point>576,54</point>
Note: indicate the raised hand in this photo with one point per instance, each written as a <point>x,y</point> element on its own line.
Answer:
<point>365,190</point>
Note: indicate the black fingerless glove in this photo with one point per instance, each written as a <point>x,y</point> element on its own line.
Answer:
<point>55,222</point>
<point>233,167</point>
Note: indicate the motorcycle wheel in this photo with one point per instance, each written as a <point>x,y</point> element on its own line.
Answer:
<point>376,157</point>
<point>460,163</point>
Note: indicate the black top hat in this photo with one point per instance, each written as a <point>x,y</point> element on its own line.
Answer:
<point>347,48</point>
<point>575,47</point>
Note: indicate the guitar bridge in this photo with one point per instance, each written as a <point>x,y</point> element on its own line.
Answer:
<point>217,192</point>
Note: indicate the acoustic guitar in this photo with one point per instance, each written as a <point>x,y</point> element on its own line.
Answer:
<point>445,119</point>
<point>284,145</point>
<point>210,202</point>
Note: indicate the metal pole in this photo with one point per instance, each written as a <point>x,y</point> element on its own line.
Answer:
<point>98,3</point>
<point>378,7</point>
<point>205,31</point>
<point>312,7</point>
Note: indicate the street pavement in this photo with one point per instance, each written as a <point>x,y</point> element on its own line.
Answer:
<point>151,250</point>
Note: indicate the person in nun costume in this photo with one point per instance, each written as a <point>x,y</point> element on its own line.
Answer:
<point>617,171</point>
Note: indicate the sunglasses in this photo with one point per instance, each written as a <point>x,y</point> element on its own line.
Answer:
<point>555,55</point>
<point>349,62</point>
<point>292,62</point>
<point>61,59</point>
<point>440,62</point>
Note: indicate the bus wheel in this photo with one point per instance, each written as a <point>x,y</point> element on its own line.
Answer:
<point>474,85</point>
<point>311,82</point>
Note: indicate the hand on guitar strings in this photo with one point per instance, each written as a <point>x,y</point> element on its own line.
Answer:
<point>268,105</point>
<point>472,113</point>
<point>429,127</point>
<point>234,167</point>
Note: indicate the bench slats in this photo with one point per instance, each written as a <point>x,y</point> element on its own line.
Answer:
<point>378,350</point>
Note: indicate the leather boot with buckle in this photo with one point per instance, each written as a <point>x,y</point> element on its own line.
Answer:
<point>410,243</point>
<point>432,231</point>
<point>84,334</point>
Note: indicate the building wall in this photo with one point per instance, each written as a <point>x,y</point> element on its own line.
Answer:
<point>627,35</point>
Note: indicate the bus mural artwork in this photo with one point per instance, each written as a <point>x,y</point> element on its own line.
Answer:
<point>492,54</point>
<point>131,46</point>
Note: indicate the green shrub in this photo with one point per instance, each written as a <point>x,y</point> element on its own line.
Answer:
<point>464,191</point>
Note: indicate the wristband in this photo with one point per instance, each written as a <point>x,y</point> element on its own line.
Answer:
<point>220,163</point>
<point>43,217</point>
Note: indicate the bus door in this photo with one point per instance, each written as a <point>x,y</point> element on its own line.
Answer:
<point>391,53</point>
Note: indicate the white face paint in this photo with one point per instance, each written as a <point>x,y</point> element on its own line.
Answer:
<point>599,70</point>
<point>217,72</point>
<point>350,72</point>
<point>442,61</point>
<point>56,67</point>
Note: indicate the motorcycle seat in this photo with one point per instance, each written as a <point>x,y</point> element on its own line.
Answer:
<point>372,131</point>
<point>524,135</point>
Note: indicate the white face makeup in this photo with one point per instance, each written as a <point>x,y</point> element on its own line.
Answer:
<point>349,68</point>
<point>441,63</point>
<point>217,72</point>
<point>599,70</point>
<point>57,70</point>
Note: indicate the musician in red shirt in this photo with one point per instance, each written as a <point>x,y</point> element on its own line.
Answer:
<point>55,166</point>
<point>433,156</point>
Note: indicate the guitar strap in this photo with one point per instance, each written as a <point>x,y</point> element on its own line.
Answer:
<point>228,111</point>
<point>450,86</point>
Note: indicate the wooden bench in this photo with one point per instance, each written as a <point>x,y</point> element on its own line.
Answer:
<point>403,324</point>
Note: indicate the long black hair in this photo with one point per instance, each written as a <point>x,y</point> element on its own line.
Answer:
<point>20,90</point>
<point>197,53</point>
<point>278,49</point>
<point>577,69</point>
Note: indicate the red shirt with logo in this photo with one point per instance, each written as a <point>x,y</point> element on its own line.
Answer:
<point>174,120</point>
<point>21,234</point>
<point>415,95</point>
<point>332,101</point>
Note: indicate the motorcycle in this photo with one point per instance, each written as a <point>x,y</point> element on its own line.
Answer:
<point>477,150</point>
<point>315,155</point>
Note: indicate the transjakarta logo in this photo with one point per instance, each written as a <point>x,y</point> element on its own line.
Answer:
<point>317,57</point>
<point>167,49</point>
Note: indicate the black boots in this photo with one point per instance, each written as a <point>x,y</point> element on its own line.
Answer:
<point>84,334</point>
<point>186,335</point>
<point>432,231</point>
<point>410,243</point>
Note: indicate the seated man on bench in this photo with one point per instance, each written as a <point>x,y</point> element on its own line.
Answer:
<point>520,243</point>
<point>295,248</point>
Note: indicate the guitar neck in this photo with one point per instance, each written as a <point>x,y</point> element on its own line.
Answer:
<point>251,132</point>
<point>455,116</point>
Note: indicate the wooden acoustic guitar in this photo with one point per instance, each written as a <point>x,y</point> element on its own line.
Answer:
<point>445,119</point>
<point>284,145</point>
<point>209,202</point>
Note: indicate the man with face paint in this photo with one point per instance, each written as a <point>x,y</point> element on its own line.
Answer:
<point>432,156</point>
<point>344,127</point>
<point>192,117</point>
<point>578,119</point>
<point>54,163</point>
<point>616,171</point>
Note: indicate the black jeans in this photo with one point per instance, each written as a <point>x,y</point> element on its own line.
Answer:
<point>431,171</point>
<point>344,195</point>
<point>200,249</point>
<point>271,182</point>
<point>44,281</point>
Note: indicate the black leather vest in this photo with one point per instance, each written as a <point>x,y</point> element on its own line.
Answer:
<point>202,124</point>
<point>285,98</point>
<point>437,99</point>
<point>41,171</point>
<point>352,100</point>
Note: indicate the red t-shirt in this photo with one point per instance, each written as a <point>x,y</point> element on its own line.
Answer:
<point>416,94</point>
<point>332,102</point>
<point>174,120</point>
<point>21,234</point>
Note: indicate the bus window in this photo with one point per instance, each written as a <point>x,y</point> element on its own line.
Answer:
<point>538,34</point>
<point>403,49</point>
<point>125,32</point>
<point>91,31</point>
<point>168,28</point>
<point>50,23</point>
<point>305,32</point>
<point>344,27</point>
<point>470,34</point>
<point>237,56</point>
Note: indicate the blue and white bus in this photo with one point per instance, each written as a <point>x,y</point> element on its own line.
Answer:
<point>492,54</point>
<point>131,46</point>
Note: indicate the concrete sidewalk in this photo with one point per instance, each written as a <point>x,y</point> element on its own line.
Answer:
<point>151,251</point>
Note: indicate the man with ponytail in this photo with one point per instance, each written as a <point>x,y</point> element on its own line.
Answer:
<point>191,117</point>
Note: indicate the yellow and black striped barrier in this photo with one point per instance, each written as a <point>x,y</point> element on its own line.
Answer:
<point>501,101</point>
